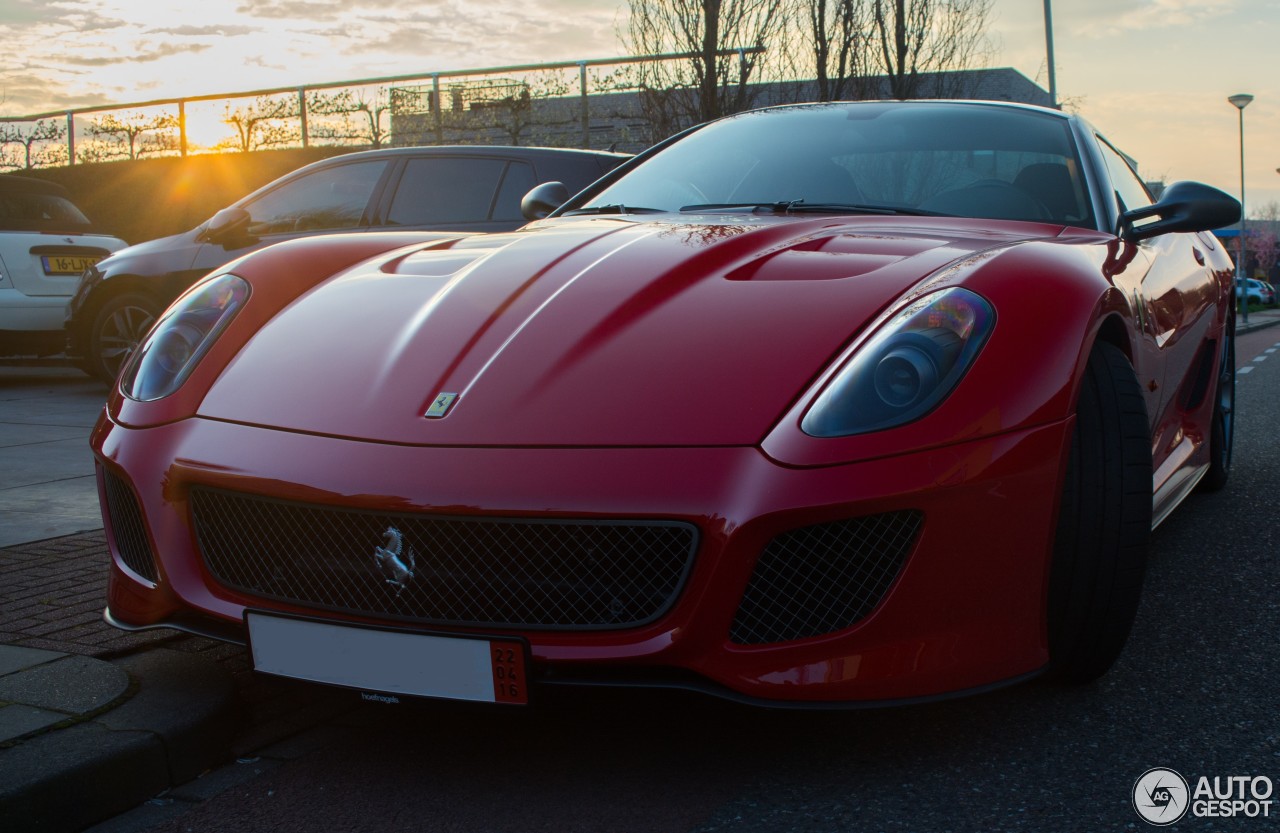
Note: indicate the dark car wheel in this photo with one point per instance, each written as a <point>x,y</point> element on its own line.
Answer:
<point>1105,520</point>
<point>118,327</point>
<point>1222,433</point>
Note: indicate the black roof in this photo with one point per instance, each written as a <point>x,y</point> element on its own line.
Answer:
<point>12,184</point>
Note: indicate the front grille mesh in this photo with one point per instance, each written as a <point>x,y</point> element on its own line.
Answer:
<point>476,571</point>
<point>825,578</point>
<point>130,533</point>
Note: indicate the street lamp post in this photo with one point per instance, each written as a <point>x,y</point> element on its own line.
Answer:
<point>1241,101</point>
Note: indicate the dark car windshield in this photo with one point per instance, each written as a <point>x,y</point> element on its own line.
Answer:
<point>40,212</point>
<point>931,158</point>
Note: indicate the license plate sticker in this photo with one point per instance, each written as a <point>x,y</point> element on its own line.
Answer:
<point>395,662</point>
<point>66,264</point>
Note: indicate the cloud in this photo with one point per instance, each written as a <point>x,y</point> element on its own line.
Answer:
<point>223,30</point>
<point>501,32</point>
<point>1141,15</point>
<point>28,92</point>
<point>141,57</point>
<point>80,17</point>
<point>315,10</point>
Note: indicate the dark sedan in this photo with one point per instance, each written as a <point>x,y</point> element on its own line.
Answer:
<point>451,189</point>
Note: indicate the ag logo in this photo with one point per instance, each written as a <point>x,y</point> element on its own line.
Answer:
<point>1161,796</point>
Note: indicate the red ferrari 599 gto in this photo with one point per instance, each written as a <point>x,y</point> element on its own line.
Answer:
<point>831,404</point>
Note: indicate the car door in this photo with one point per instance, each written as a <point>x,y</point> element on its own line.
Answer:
<point>457,193</point>
<point>1177,298</point>
<point>328,200</point>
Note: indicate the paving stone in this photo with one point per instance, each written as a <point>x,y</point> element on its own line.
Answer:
<point>17,720</point>
<point>14,658</point>
<point>74,685</point>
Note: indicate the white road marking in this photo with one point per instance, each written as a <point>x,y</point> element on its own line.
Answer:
<point>1259,358</point>
<point>1246,369</point>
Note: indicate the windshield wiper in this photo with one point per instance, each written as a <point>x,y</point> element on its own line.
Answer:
<point>802,207</point>
<point>613,209</point>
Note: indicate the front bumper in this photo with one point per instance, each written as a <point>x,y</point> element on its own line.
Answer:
<point>965,612</point>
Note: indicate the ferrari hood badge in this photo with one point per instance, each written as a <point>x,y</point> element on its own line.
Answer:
<point>441,405</point>
<point>396,567</point>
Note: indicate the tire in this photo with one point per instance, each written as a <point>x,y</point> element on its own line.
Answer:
<point>1104,522</point>
<point>1223,430</point>
<point>118,327</point>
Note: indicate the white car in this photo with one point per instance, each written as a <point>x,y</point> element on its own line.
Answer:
<point>46,242</point>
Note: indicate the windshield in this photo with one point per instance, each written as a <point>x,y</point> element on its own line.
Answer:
<point>953,159</point>
<point>40,212</point>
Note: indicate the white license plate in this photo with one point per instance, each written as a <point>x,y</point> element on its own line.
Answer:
<point>394,662</point>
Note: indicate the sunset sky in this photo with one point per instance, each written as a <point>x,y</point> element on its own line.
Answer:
<point>1152,74</point>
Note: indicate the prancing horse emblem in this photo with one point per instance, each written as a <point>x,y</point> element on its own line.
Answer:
<point>397,568</point>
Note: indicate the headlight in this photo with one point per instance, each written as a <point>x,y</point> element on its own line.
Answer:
<point>182,336</point>
<point>906,369</point>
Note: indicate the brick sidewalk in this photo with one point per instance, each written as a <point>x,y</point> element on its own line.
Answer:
<point>52,594</point>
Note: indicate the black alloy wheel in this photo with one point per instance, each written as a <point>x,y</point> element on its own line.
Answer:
<point>118,328</point>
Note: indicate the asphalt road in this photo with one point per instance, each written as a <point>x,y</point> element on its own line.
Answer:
<point>1196,691</point>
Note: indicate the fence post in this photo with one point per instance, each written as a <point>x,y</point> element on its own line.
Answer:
<point>302,112</point>
<point>436,107</point>
<point>71,138</point>
<point>182,128</point>
<point>586,108</point>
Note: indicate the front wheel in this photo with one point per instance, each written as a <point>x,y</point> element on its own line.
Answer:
<point>118,328</point>
<point>1100,552</point>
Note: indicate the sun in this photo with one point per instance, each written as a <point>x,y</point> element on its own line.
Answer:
<point>206,129</point>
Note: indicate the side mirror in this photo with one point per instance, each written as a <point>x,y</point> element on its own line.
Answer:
<point>543,199</point>
<point>1184,206</point>
<point>224,225</point>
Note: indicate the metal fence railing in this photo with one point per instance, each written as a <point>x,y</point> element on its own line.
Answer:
<point>594,103</point>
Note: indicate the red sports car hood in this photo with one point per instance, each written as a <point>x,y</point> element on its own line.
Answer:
<point>588,331</point>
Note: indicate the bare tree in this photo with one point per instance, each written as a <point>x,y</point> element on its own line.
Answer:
<point>1264,242</point>
<point>129,131</point>
<point>33,141</point>
<point>360,119</point>
<point>1264,246</point>
<point>836,34</point>
<point>9,135</point>
<point>710,84</point>
<point>265,123</point>
<point>913,38</point>
<point>1268,212</point>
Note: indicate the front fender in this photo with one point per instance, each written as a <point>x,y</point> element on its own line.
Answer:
<point>1051,300</point>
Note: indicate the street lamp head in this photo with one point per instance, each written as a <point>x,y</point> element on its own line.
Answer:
<point>1240,100</point>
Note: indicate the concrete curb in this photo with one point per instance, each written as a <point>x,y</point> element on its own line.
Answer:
<point>176,724</point>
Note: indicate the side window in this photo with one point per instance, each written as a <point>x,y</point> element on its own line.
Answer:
<point>1129,187</point>
<point>331,198</point>
<point>518,182</point>
<point>443,190</point>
